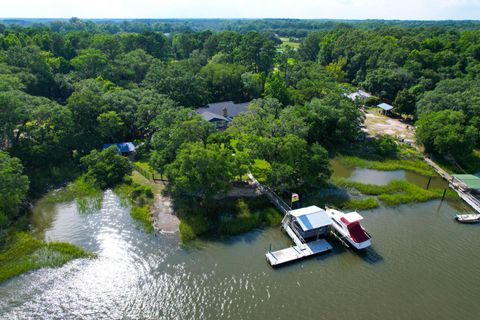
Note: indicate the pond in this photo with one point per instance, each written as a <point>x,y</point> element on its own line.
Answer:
<point>422,265</point>
<point>379,177</point>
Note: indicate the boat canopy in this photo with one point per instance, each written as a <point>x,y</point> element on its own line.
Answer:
<point>353,217</point>
<point>311,218</point>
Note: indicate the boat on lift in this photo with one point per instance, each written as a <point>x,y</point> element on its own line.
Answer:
<point>347,226</point>
<point>468,218</point>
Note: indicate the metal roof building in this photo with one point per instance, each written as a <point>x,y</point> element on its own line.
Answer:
<point>385,106</point>
<point>468,181</point>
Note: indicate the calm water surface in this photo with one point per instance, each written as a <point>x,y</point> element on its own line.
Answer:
<point>422,265</point>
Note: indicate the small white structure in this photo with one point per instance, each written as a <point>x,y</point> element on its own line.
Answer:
<point>301,225</point>
<point>359,94</point>
<point>309,221</point>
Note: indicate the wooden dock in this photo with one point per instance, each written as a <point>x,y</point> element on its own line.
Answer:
<point>298,252</point>
<point>465,195</point>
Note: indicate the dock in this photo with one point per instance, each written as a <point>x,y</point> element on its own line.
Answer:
<point>298,252</point>
<point>466,196</point>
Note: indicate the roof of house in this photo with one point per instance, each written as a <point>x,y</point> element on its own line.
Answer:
<point>311,218</point>
<point>209,116</point>
<point>123,147</point>
<point>385,106</point>
<point>358,94</point>
<point>471,181</point>
<point>233,109</point>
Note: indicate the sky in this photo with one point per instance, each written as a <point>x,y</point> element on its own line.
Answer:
<point>306,9</point>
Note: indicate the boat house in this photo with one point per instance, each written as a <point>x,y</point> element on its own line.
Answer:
<point>467,182</point>
<point>310,222</point>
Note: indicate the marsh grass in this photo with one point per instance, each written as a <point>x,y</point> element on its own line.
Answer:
<point>87,197</point>
<point>25,253</point>
<point>394,193</point>
<point>140,197</point>
<point>415,165</point>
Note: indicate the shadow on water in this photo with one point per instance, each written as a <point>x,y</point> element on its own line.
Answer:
<point>370,255</point>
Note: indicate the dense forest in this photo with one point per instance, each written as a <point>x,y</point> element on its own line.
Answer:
<point>68,87</point>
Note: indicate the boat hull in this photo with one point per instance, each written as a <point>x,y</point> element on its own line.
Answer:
<point>467,218</point>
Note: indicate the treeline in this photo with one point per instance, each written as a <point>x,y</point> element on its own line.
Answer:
<point>298,28</point>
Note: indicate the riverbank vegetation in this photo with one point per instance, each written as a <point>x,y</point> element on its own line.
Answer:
<point>25,253</point>
<point>394,193</point>
<point>68,88</point>
<point>229,216</point>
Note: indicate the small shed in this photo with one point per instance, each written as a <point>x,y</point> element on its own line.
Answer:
<point>386,108</point>
<point>125,148</point>
<point>467,182</point>
<point>311,221</point>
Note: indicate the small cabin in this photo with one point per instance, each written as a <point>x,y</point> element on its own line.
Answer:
<point>125,148</point>
<point>310,222</point>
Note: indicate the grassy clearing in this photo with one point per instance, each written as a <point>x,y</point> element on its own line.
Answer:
<point>394,193</point>
<point>361,204</point>
<point>287,42</point>
<point>415,165</point>
<point>26,253</point>
<point>146,170</point>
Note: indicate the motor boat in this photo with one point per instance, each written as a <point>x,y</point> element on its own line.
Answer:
<point>468,218</point>
<point>347,227</point>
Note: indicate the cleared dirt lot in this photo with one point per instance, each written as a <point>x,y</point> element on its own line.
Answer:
<point>378,124</point>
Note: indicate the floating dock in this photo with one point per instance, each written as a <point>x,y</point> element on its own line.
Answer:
<point>298,252</point>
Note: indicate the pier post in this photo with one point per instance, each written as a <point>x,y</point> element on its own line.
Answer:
<point>270,248</point>
<point>428,184</point>
<point>444,192</point>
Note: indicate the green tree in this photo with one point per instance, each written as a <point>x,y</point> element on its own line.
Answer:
<point>275,87</point>
<point>106,168</point>
<point>447,132</point>
<point>13,186</point>
<point>111,126</point>
<point>405,102</point>
<point>201,171</point>
<point>90,63</point>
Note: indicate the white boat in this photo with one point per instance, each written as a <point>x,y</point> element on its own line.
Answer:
<point>347,226</point>
<point>468,218</point>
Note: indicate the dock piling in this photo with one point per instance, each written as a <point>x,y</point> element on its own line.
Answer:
<point>428,184</point>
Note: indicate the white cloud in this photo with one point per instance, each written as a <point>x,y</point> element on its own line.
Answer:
<point>336,9</point>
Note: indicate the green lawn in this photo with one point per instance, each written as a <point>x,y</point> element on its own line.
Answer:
<point>286,42</point>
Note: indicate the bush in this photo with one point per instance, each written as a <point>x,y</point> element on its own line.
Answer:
<point>106,168</point>
<point>142,214</point>
<point>271,216</point>
<point>193,226</point>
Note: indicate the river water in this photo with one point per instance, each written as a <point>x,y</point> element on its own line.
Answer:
<point>422,265</point>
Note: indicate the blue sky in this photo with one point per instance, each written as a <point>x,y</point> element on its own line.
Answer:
<point>309,9</point>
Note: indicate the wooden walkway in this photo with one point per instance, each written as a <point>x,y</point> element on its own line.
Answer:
<point>297,252</point>
<point>465,195</point>
<point>301,249</point>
